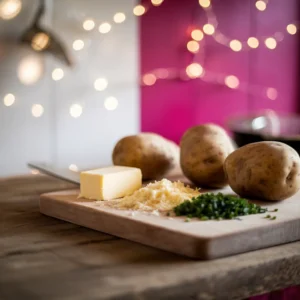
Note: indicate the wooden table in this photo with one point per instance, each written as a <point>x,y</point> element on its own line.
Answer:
<point>44,258</point>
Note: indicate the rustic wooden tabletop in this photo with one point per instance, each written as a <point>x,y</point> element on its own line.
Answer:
<point>44,258</point>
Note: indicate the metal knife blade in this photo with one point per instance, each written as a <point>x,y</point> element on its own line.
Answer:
<point>51,170</point>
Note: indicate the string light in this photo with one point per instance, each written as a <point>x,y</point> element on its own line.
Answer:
<point>40,41</point>
<point>78,45</point>
<point>9,99</point>
<point>10,9</point>
<point>139,10</point>
<point>57,74</point>
<point>232,81</point>
<point>30,70</point>
<point>119,17</point>
<point>270,43</point>
<point>104,28</point>
<point>204,3</point>
<point>157,2</point>
<point>261,5</point>
<point>100,84</point>
<point>194,70</point>
<point>111,103</point>
<point>73,168</point>
<point>235,45</point>
<point>193,46</point>
<point>149,79</point>
<point>271,93</point>
<point>37,110</point>
<point>75,110</point>
<point>253,42</point>
<point>88,25</point>
<point>197,35</point>
<point>209,29</point>
<point>291,29</point>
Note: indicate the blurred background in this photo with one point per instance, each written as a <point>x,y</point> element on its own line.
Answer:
<point>76,76</point>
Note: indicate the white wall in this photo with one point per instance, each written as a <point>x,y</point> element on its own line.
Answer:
<point>56,136</point>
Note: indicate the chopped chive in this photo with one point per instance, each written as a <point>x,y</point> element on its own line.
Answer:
<point>267,216</point>
<point>273,218</point>
<point>211,206</point>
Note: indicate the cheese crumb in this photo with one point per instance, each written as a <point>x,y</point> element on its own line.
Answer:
<point>158,196</point>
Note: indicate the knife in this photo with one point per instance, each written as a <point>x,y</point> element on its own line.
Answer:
<point>51,170</point>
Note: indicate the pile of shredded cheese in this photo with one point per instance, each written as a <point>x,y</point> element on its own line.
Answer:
<point>161,195</point>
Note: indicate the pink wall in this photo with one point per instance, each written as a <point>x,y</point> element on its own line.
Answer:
<point>170,107</point>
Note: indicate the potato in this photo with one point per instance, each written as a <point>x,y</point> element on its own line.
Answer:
<point>150,152</point>
<point>264,170</point>
<point>203,150</point>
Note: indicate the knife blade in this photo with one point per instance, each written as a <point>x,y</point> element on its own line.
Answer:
<point>52,170</point>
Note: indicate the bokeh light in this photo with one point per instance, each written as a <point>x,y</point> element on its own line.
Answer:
<point>193,46</point>
<point>88,25</point>
<point>157,2</point>
<point>235,45</point>
<point>253,42</point>
<point>111,103</point>
<point>232,81</point>
<point>204,3</point>
<point>209,29</point>
<point>78,45</point>
<point>271,93</point>
<point>149,79</point>
<point>197,35</point>
<point>75,110</point>
<point>104,28</point>
<point>10,8</point>
<point>261,5</point>
<point>119,17</point>
<point>30,70</point>
<point>100,84</point>
<point>194,70</point>
<point>270,43</point>
<point>57,74</point>
<point>139,10</point>
<point>9,99</point>
<point>37,110</point>
<point>291,29</point>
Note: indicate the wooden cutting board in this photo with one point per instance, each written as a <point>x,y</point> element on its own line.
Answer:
<point>196,239</point>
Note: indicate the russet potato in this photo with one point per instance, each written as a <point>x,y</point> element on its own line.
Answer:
<point>152,153</point>
<point>264,170</point>
<point>203,150</point>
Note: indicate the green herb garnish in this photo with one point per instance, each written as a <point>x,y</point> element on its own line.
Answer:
<point>273,218</point>
<point>268,217</point>
<point>276,209</point>
<point>187,220</point>
<point>211,206</point>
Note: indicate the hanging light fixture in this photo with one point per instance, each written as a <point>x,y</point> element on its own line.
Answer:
<point>43,40</point>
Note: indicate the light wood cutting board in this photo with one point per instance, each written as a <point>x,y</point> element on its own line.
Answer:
<point>196,239</point>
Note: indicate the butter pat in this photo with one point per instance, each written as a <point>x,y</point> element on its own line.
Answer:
<point>110,183</point>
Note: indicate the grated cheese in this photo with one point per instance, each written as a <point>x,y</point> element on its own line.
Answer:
<point>160,195</point>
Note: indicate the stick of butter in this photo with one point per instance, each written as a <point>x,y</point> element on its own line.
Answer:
<point>110,183</point>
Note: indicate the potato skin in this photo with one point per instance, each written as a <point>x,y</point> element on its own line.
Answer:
<point>150,152</point>
<point>203,150</point>
<point>264,170</point>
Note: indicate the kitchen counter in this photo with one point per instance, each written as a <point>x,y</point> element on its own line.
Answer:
<point>45,258</point>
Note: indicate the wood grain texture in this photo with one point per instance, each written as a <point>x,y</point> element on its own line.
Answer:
<point>195,239</point>
<point>45,258</point>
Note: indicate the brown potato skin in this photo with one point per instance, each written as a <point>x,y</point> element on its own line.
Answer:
<point>203,150</point>
<point>150,152</point>
<point>264,170</point>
